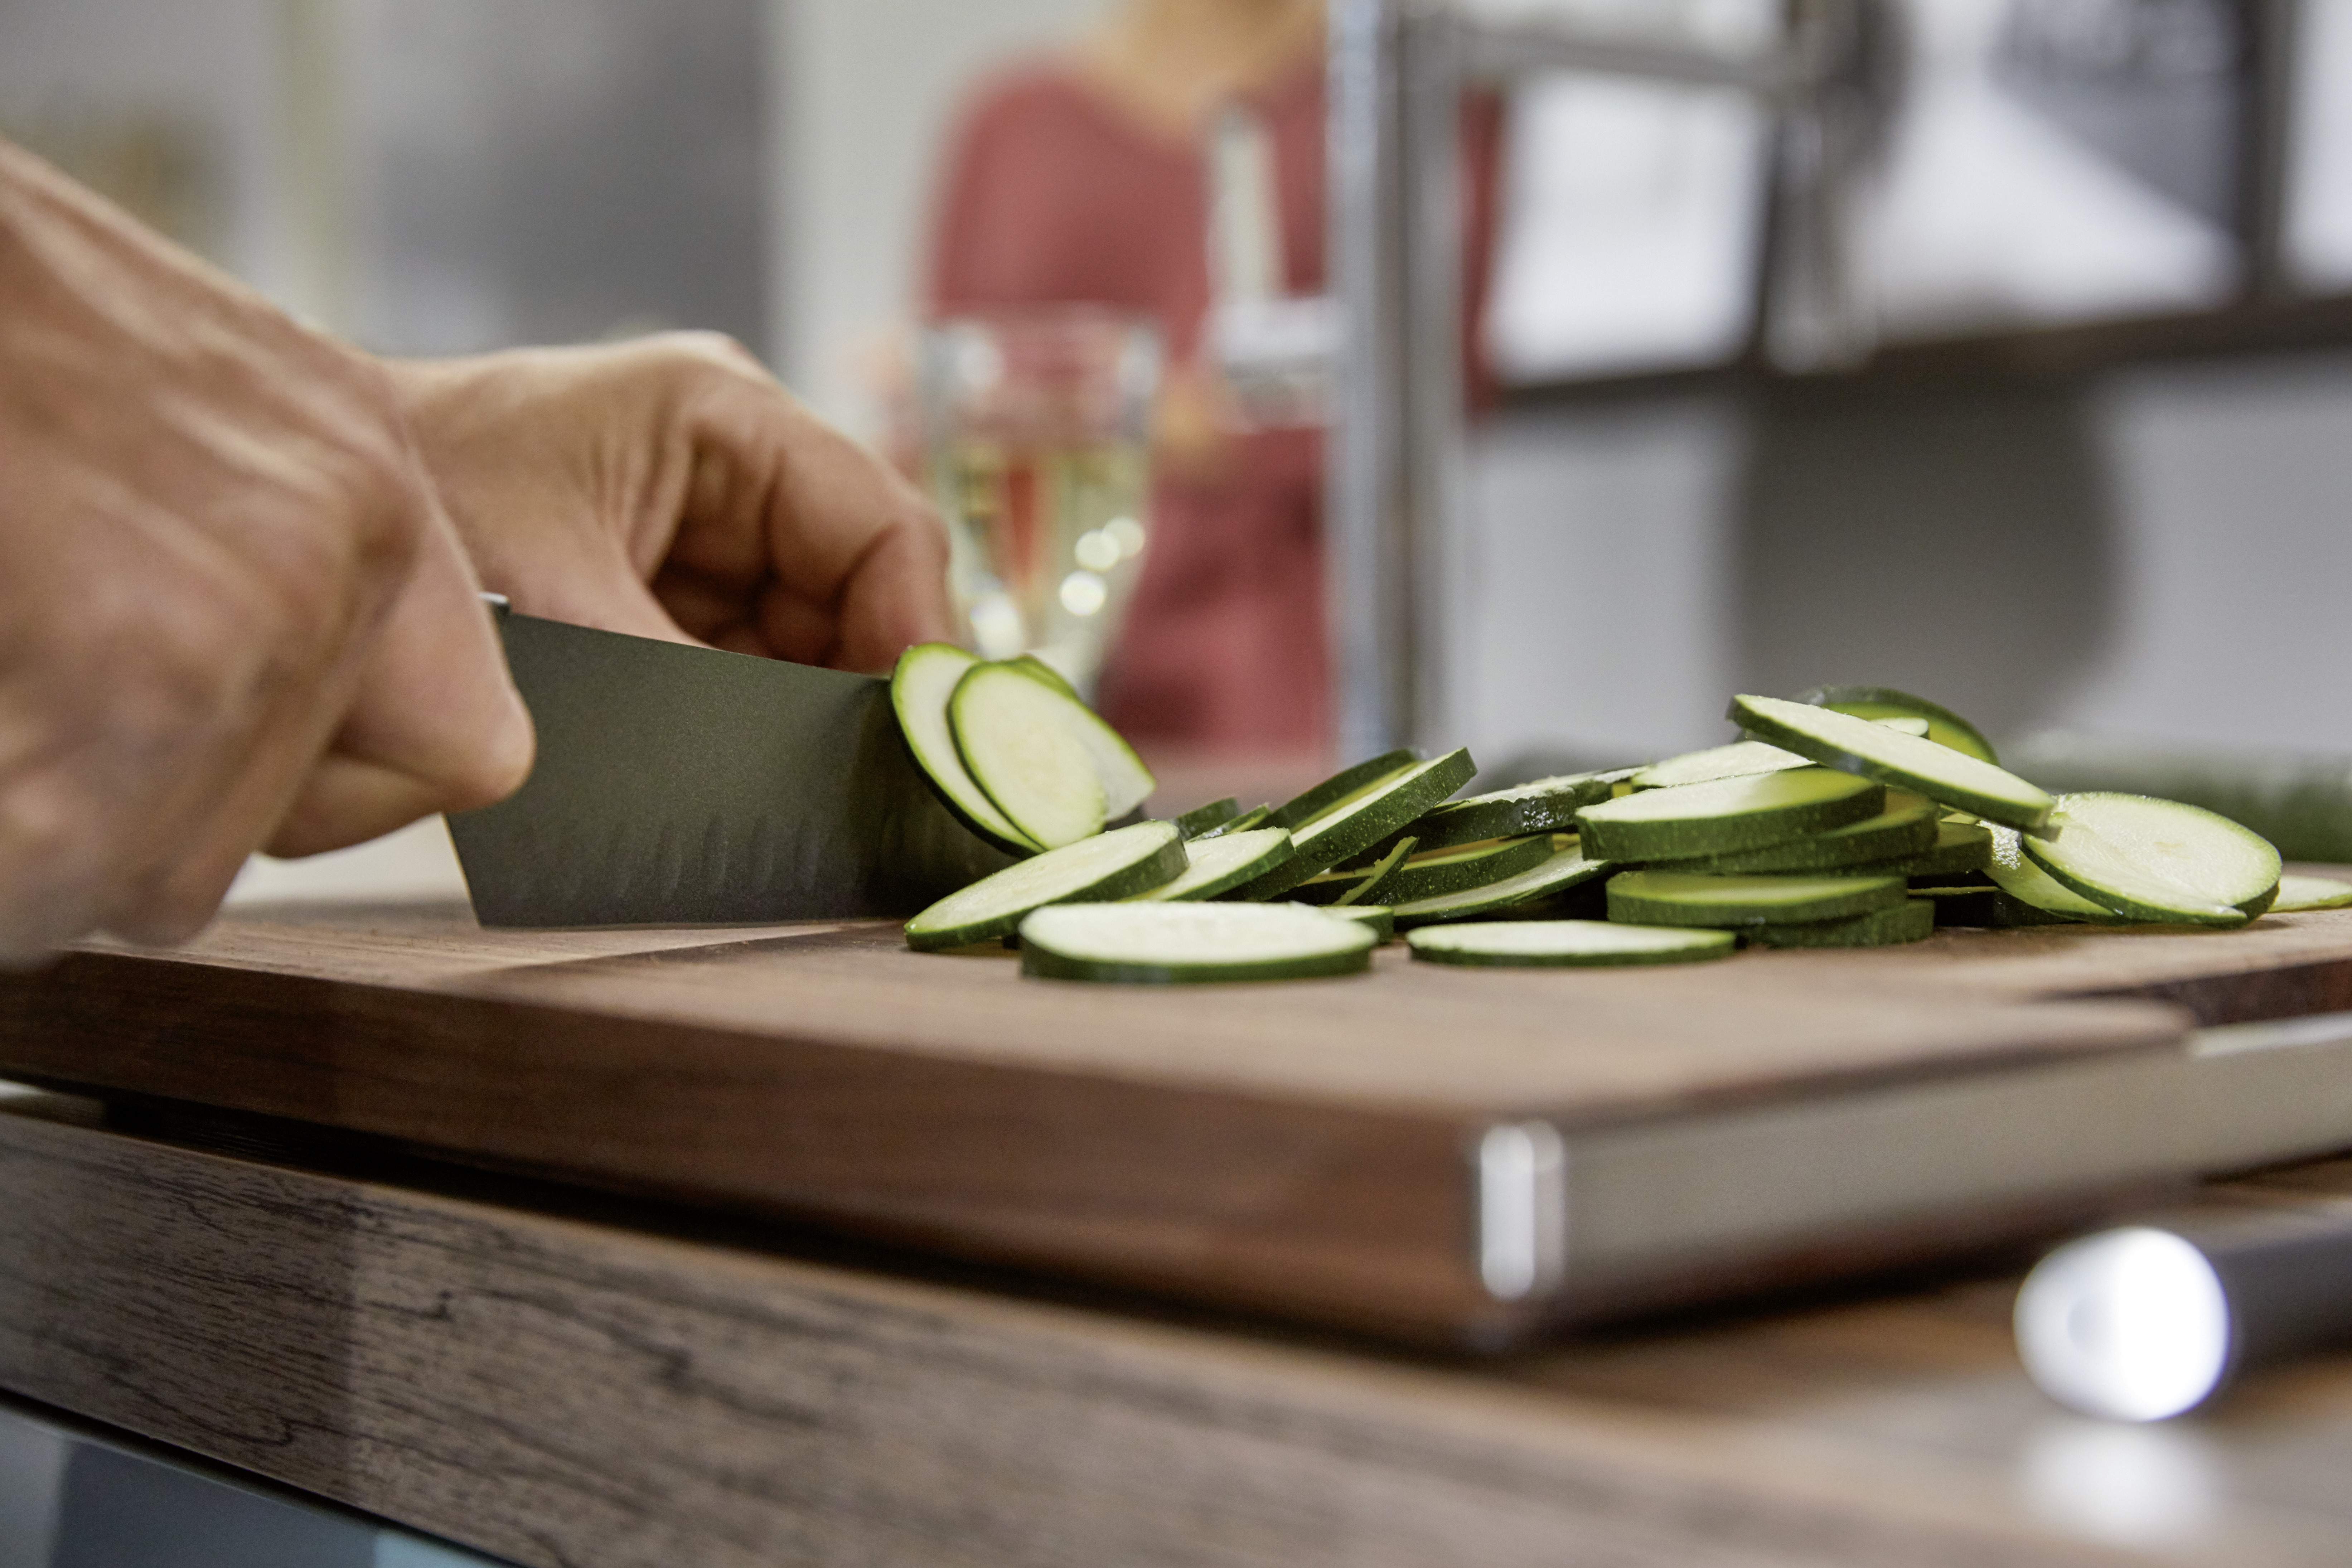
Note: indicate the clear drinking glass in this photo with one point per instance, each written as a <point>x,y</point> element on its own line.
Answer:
<point>1037,447</point>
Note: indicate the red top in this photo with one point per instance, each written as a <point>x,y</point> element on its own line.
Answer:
<point>1053,194</point>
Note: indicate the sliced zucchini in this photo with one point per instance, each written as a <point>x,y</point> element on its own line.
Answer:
<point>1113,865</point>
<point>1362,818</point>
<point>1956,778</point>
<point>1901,723</point>
<point>1301,809</point>
<point>1567,869</point>
<point>1166,945</point>
<point>2026,882</point>
<point>2158,860</point>
<point>1126,782</point>
<point>1911,921</point>
<point>1219,864</point>
<point>1727,815</point>
<point>1377,918</point>
<point>1543,805</point>
<point>1201,818</point>
<point>1326,888</point>
<point>1375,882</point>
<point>1685,899</point>
<point>1961,847</point>
<point>1566,943</point>
<point>1018,742</point>
<point>1988,906</point>
<point>1256,816</point>
<point>1739,760</point>
<point>1906,829</point>
<point>1944,727</point>
<point>1434,876</point>
<point>1029,664</point>
<point>919,689</point>
<point>2298,893</point>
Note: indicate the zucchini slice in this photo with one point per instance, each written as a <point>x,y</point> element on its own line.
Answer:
<point>1029,664</point>
<point>1566,943</point>
<point>1203,818</point>
<point>2158,860</point>
<point>1169,944</point>
<point>2027,883</point>
<point>1956,778</point>
<point>1739,760</point>
<point>1364,816</point>
<point>1542,806</point>
<point>1567,869</point>
<point>1989,906</point>
<point>1126,782</point>
<point>1910,920</point>
<point>1018,742</point>
<point>1301,809</point>
<point>1727,815</point>
<point>1112,865</point>
<point>1905,830</point>
<point>1375,882</point>
<point>1256,816</point>
<point>1688,898</point>
<point>1219,864</point>
<point>1434,876</point>
<point>1944,727</point>
<point>919,689</point>
<point>1377,918</point>
<point>1961,847</point>
<point>2298,893</point>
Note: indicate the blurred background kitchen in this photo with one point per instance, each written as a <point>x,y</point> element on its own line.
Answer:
<point>2055,426</point>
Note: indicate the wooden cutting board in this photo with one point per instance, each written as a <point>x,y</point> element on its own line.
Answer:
<point>1319,1149</point>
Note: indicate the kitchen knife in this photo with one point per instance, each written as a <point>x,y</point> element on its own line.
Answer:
<point>678,784</point>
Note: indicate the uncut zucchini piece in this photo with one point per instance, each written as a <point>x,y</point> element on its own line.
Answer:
<point>1126,782</point>
<point>1905,830</point>
<point>1944,727</point>
<point>1111,865</point>
<point>1688,898</point>
<point>1906,761</point>
<point>1191,944</point>
<point>1434,876</point>
<point>1567,869</point>
<point>920,686</point>
<point>1219,864</point>
<point>1377,918</point>
<point>2298,893</point>
<point>1542,806</point>
<point>1201,818</point>
<point>1017,741</point>
<point>1301,809</point>
<point>1910,920</point>
<point>1726,817</point>
<point>1527,944</point>
<point>2027,883</point>
<point>2158,860</point>
<point>1362,818</point>
<point>1741,759</point>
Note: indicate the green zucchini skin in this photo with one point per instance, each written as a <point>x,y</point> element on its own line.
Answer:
<point>918,697</point>
<point>1684,898</point>
<point>1565,944</point>
<point>1067,942</point>
<point>1303,808</point>
<point>1727,815</point>
<point>1568,870</point>
<point>1107,867</point>
<point>1912,920</point>
<point>2241,897</point>
<point>1944,727</point>
<point>1901,833</point>
<point>1960,849</point>
<point>1855,745</point>
<point>1219,864</point>
<point>1422,878</point>
<point>1375,888</point>
<point>1370,814</point>
<point>1256,816</point>
<point>1542,806</point>
<point>1201,819</point>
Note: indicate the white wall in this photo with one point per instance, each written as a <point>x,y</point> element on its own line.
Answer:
<point>867,87</point>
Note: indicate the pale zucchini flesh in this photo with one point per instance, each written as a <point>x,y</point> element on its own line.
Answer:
<point>1014,735</point>
<point>1944,727</point>
<point>1565,944</point>
<point>920,687</point>
<point>1126,782</point>
<point>2297,893</point>
<point>1905,762</point>
<point>1220,865</point>
<point>1114,865</point>
<point>2017,875</point>
<point>1688,898</point>
<point>1377,918</point>
<point>1727,816</point>
<point>2158,860</point>
<point>1191,944</point>
<point>1741,759</point>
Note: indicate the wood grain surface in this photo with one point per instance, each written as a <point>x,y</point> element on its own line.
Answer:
<point>566,1391</point>
<point>1300,1148</point>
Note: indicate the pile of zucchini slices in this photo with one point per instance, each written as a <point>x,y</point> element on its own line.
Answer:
<point>1851,816</point>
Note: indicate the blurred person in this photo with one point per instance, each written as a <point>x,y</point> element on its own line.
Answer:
<point>239,561</point>
<point>1081,176</point>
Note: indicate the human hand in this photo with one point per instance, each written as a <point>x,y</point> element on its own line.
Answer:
<point>670,488</point>
<point>230,608</point>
